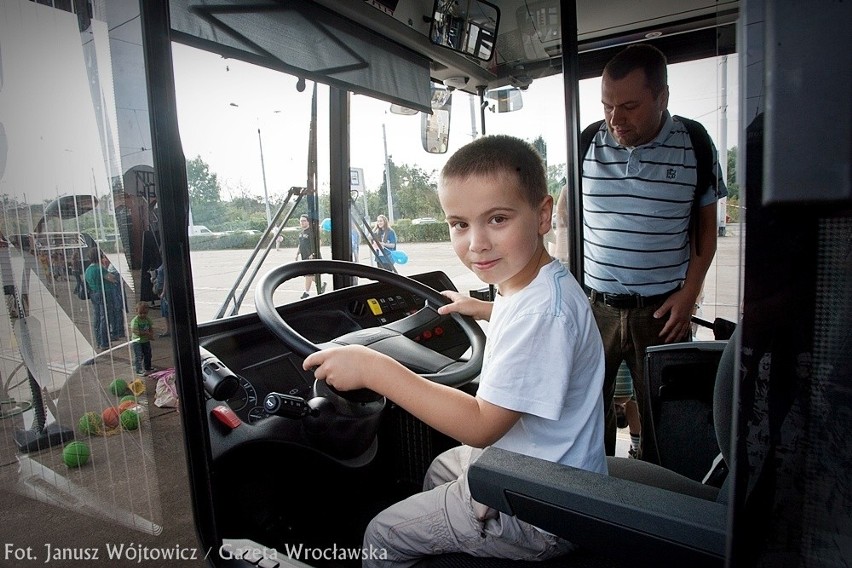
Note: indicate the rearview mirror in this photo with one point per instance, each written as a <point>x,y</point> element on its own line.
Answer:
<point>435,127</point>
<point>467,27</point>
<point>505,99</point>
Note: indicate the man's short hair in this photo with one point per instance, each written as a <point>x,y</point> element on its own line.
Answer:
<point>500,153</point>
<point>640,56</point>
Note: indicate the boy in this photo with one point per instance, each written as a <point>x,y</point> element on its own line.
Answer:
<point>540,386</point>
<point>141,334</point>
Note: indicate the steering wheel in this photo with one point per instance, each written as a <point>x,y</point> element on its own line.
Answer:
<point>393,339</point>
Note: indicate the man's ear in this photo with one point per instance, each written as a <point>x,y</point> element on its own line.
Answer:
<point>545,215</point>
<point>664,99</point>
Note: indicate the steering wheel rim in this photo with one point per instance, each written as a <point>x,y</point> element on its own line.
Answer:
<point>265,306</point>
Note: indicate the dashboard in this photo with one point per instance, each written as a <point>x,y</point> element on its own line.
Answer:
<point>262,364</point>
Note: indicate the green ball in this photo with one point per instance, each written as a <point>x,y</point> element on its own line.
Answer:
<point>129,420</point>
<point>129,397</point>
<point>75,454</point>
<point>90,423</point>
<point>118,387</point>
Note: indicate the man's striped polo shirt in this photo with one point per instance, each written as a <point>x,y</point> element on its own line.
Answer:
<point>636,211</point>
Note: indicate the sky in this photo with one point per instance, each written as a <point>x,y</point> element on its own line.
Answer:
<point>222,103</point>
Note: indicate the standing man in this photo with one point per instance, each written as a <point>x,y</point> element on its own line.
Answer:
<point>649,231</point>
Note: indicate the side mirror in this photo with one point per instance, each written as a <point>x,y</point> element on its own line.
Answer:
<point>505,99</point>
<point>466,27</point>
<point>435,127</point>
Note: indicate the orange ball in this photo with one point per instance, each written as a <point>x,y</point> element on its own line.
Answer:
<point>126,405</point>
<point>110,416</point>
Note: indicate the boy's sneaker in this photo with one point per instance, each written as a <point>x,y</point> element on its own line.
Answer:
<point>634,453</point>
<point>304,295</point>
<point>322,290</point>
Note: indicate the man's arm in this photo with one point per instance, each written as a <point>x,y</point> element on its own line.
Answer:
<point>681,304</point>
<point>468,419</point>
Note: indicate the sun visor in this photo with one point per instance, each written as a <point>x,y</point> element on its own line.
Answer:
<point>305,40</point>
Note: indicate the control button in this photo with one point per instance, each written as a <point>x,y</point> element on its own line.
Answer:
<point>427,334</point>
<point>226,416</point>
<point>439,330</point>
<point>374,306</point>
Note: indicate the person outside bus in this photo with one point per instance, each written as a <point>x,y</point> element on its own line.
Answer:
<point>141,334</point>
<point>494,194</point>
<point>307,251</point>
<point>643,268</point>
<point>384,242</point>
<point>97,277</point>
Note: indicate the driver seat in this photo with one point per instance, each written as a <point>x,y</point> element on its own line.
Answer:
<point>640,513</point>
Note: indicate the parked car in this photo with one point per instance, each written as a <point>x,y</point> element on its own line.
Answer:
<point>424,221</point>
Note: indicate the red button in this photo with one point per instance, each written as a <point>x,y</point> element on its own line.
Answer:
<point>226,416</point>
<point>439,330</point>
<point>427,334</point>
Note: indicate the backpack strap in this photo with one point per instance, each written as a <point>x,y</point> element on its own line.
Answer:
<point>701,145</point>
<point>586,139</point>
<point>705,176</point>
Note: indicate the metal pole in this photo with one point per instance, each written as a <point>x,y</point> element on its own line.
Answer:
<point>387,176</point>
<point>263,171</point>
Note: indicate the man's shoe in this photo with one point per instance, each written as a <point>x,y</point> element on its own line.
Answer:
<point>634,453</point>
<point>322,289</point>
<point>620,416</point>
<point>304,295</point>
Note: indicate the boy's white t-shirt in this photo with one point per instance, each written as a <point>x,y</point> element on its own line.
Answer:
<point>544,358</point>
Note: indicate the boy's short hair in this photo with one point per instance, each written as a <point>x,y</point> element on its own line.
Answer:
<point>497,153</point>
<point>142,305</point>
<point>640,56</point>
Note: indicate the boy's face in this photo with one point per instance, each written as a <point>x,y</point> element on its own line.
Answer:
<point>495,232</point>
<point>142,310</point>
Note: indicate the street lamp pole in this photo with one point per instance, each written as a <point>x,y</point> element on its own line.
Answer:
<point>263,172</point>
<point>388,177</point>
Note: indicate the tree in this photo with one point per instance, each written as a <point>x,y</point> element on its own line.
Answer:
<point>414,194</point>
<point>733,186</point>
<point>204,193</point>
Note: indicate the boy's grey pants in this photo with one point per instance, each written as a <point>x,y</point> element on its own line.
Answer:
<point>445,519</point>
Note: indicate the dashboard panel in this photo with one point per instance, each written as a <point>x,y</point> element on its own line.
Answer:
<point>263,364</point>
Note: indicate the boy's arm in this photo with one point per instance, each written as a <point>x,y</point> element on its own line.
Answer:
<point>467,306</point>
<point>468,419</point>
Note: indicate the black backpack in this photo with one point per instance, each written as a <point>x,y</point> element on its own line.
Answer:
<point>703,148</point>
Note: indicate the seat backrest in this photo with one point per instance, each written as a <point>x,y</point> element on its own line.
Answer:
<point>723,395</point>
<point>680,381</point>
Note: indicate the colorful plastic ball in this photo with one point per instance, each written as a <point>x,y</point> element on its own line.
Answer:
<point>126,405</point>
<point>110,417</point>
<point>137,387</point>
<point>76,454</point>
<point>129,420</point>
<point>90,423</point>
<point>118,387</point>
<point>129,397</point>
<point>326,225</point>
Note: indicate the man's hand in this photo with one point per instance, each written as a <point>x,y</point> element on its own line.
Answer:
<point>466,306</point>
<point>679,307</point>
<point>348,368</point>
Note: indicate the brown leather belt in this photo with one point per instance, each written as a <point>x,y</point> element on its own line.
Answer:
<point>627,301</point>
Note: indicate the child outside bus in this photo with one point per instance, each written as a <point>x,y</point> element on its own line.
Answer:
<point>141,334</point>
